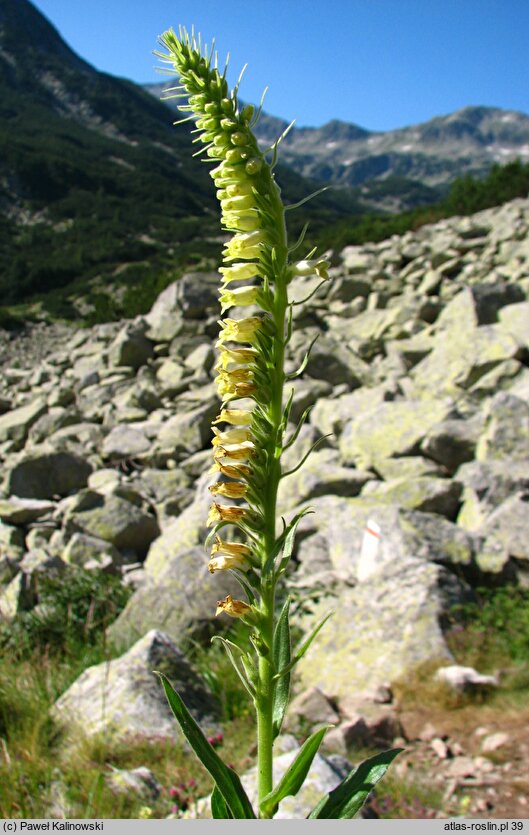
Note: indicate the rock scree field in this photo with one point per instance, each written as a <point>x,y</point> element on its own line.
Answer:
<point>419,381</point>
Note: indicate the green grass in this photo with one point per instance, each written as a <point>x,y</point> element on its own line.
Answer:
<point>43,652</point>
<point>397,798</point>
<point>39,767</point>
<point>35,755</point>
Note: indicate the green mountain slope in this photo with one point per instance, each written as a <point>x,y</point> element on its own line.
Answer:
<point>96,181</point>
<point>91,171</point>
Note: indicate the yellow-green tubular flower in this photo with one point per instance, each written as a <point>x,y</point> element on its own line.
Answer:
<point>232,357</point>
<point>226,513</point>
<point>246,245</point>
<point>242,330</point>
<point>228,562</point>
<point>235,452</point>
<point>229,555</point>
<point>233,608</point>
<point>231,436</point>
<point>230,469</point>
<point>241,297</point>
<point>235,384</point>
<point>229,489</point>
<point>239,272</point>
<point>236,223</point>
<point>317,267</point>
<point>240,203</point>
<point>237,417</point>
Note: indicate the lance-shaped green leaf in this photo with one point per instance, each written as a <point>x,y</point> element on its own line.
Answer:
<point>294,776</point>
<point>244,584</point>
<point>286,411</point>
<point>281,539</point>
<point>233,652</point>
<point>297,430</point>
<point>305,360</point>
<point>306,199</point>
<point>289,539</point>
<point>228,782</point>
<point>219,808</point>
<point>313,447</point>
<point>219,525</point>
<point>313,293</point>
<point>303,648</point>
<point>289,324</point>
<point>282,656</point>
<point>348,798</point>
<point>297,245</point>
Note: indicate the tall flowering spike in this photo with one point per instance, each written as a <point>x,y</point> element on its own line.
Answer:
<point>247,450</point>
<point>254,274</point>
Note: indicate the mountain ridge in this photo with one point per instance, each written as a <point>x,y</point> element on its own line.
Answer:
<point>99,193</point>
<point>435,152</point>
<point>94,177</point>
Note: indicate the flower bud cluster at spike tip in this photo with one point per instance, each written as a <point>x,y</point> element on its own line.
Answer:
<point>250,207</point>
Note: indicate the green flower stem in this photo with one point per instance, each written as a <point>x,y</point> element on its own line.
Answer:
<point>248,452</point>
<point>265,700</point>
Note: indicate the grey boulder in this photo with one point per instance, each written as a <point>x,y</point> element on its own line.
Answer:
<point>124,698</point>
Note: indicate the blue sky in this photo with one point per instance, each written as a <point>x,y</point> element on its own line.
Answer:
<point>381,64</point>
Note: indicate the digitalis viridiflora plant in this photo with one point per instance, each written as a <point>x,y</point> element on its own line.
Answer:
<point>249,440</point>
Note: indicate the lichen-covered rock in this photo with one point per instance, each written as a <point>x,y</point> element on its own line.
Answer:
<point>453,442</point>
<point>197,294</point>
<point>138,781</point>
<point>506,433</point>
<point>189,431</point>
<point>181,599</point>
<point>465,678</point>
<point>364,724</point>
<point>83,549</point>
<point>331,414</point>
<point>430,537</point>
<point>331,361</point>
<point>47,474</point>
<point>334,544</point>
<point>412,466</point>
<point>515,320</point>
<point>322,474</point>
<point>170,378</point>
<point>164,320</point>
<point>124,698</point>
<point>486,486</point>
<point>459,360</point>
<point>114,520</point>
<point>54,419</point>
<point>15,511</point>
<point>15,425</point>
<point>131,347</point>
<point>18,596</point>
<point>381,629</point>
<point>506,536</point>
<point>390,429</point>
<point>309,711</point>
<point>432,495</point>
<point>125,441</point>
<point>187,530</point>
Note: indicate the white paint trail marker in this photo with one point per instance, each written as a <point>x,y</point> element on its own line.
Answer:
<point>367,564</point>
